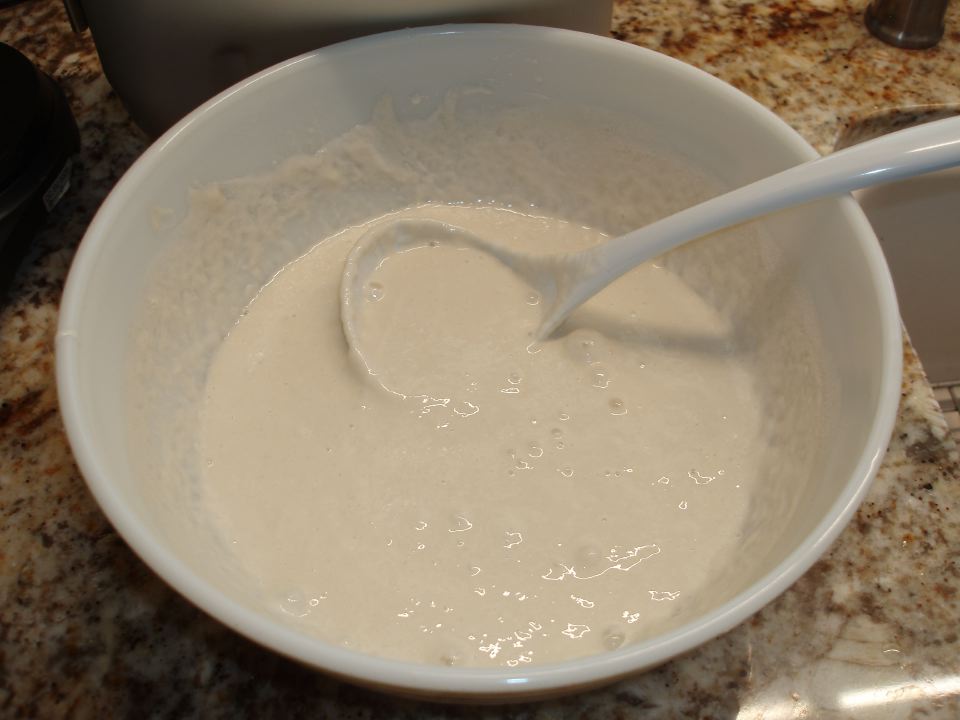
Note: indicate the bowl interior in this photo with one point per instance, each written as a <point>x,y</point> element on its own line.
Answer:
<point>806,293</point>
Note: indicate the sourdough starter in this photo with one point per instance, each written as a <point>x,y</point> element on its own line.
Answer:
<point>475,498</point>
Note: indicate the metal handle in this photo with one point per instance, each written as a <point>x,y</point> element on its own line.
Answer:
<point>912,24</point>
<point>78,21</point>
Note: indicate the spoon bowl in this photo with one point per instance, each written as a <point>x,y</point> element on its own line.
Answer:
<point>565,281</point>
<point>548,275</point>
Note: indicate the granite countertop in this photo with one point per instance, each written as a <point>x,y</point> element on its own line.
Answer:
<point>871,631</point>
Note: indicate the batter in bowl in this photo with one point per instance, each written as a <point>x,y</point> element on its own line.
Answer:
<point>478,499</point>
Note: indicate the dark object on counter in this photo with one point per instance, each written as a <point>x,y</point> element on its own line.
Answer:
<point>165,58</point>
<point>38,137</point>
<point>910,24</point>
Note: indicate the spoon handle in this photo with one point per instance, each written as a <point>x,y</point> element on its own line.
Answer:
<point>913,151</point>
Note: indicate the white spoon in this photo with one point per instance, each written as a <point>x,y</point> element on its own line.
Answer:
<point>566,280</point>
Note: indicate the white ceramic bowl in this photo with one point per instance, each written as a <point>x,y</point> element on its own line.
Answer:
<point>831,392</point>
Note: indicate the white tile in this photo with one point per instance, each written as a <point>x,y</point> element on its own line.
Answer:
<point>943,397</point>
<point>955,391</point>
<point>953,421</point>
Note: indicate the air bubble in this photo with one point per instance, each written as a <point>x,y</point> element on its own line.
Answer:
<point>535,451</point>
<point>557,435</point>
<point>294,604</point>
<point>581,349</point>
<point>575,631</point>
<point>374,292</point>
<point>533,299</point>
<point>700,479</point>
<point>584,346</point>
<point>512,539</point>
<point>617,407</point>
<point>612,639</point>
<point>564,416</point>
<point>586,349</point>
<point>514,379</point>
<point>460,524</point>
<point>519,463</point>
<point>566,471</point>
<point>466,409</point>
<point>450,659</point>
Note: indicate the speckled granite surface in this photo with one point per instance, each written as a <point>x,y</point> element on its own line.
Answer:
<point>87,630</point>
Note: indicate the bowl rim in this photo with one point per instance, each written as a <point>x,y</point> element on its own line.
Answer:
<point>421,679</point>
